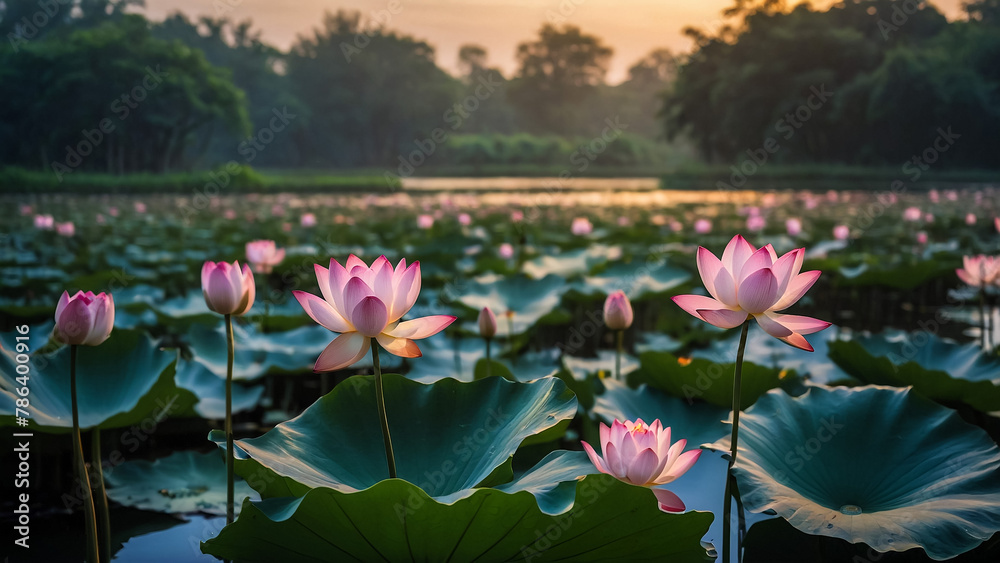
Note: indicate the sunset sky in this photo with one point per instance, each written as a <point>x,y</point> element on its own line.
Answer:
<point>631,27</point>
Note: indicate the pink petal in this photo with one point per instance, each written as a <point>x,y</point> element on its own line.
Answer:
<point>323,280</point>
<point>617,434</point>
<point>422,327</point>
<point>605,434</point>
<point>322,312</point>
<point>798,287</point>
<point>355,290</point>
<point>594,458</point>
<point>679,467</point>
<point>966,277</point>
<point>613,461</point>
<point>694,303</point>
<point>206,269</point>
<point>757,261</point>
<point>758,292</point>
<point>669,502</point>
<point>736,254</point>
<point>772,327</point>
<point>641,467</point>
<point>353,261</point>
<point>221,296</point>
<point>76,322</point>
<point>64,300</point>
<point>799,323</point>
<point>725,287</point>
<point>402,347</point>
<point>369,316</point>
<point>723,318</point>
<point>401,292</point>
<point>338,281</point>
<point>382,281</point>
<point>345,350</point>
<point>249,292</point>
<point>709,267</point>
<point>103,309</point>
<point>771,252</point>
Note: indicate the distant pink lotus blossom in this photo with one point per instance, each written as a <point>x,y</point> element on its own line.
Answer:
<point>951,195</point>
<point>756,223</point>
<point>308,220</point>
<point>658,220</point>
<point>832,196</point>
<point>25,210</point>
<point>516,216</point>
<point>618,313</point>
<point>970,219</point>
<point>793,227</point>
<point>264,255</point>
<point>841,232</point>
<point>928,217</point>
<point>934,196</point>
<point>66,229</point>
<point>979,271</point>
<point>277,210</point>
<point>100,219</point>
<point>140,207</point>
<point>362,303</point>
<point>84,319</point>
<point>922,237</point>
<point>425,221</point>
<point>230,214</point>
<point>113,211</point>
<point>286,227</point>
<point>641,454</point>
<point>702,226</point>
<point>581,226</point>
<point>912,214</point>
<point>996,223</point>
<point>677,227</point>
<point>506,251</point>
<point>44,222</point>
<point>487,323</point>
<point>749,281</point>
<point>464,219</point>
<point>623,221</point>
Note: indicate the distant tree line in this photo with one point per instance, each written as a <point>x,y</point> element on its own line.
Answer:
<point>896,77</point>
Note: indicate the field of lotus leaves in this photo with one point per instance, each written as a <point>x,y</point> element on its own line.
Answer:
<point>879,444</point>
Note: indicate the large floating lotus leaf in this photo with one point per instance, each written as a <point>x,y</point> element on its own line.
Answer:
<point>937,368</point>
<point>257,354</point>
<point>180,483</point>
<point>697,422</point>
<point>445,357</point>
<point>124,381</point>
<point>698,378</point>
<point>570,263</point>
<point>396,521</point>
<point>529,299</point>
<point>765,350</point>
<point>472,429</point>
<point>637,279</point>
<point>875,465</point>
<point>211,390</point>
<point>899,276</point>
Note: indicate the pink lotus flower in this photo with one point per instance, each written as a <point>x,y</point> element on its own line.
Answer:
<point>623,221</point>
<point>113,211</point>
<point>618,313</point>
<point>308,220</point>
<point>643,455</point>
<point>970,219</point>
<point>702,226</point>
<point>464,219</point>
<point>677,227</point>
<point>44,222</point>
<point>516,216</point>
<point>264,255</point>
<point>756,223</point>
<point>100,219</point>
<point>140,207</point>
<point>922,237</point>
<point>362,303</point>
<point>230,214</point>
<point>227,289</point>
<point>66,229</point>
<point>487,323</point>
<point>793,227</point>
<point>912,214</point>
<point>506,251</point>
<point>581,226</point>
<point>979,271</point>
<point>425,221</point>
<point>749,281</point>
<point>933,195</point>
<point>25,210</point>
<point>996,223</point>
<point>841,232</point>
<point>85,318</point>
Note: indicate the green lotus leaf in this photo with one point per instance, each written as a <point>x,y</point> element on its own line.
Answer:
<point>937,368</point>
<point>211,390</point>
<point>582,368</point>
<point>258,354</point>
<point>337,441</point>
<point>122,382</point>
<point>874,465</point>
<point>444,357</point>
<point>529,299</point>
<point>394,520</point>
<point>638,279</point>
<point>697,422</point>
<point>703,379</point>
<point>898,276</point>
<point>181,483</point>
<point>765,350</point>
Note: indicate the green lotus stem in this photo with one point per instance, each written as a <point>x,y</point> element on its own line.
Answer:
<point>618,355</point>
<point>985,323</point>
<point>489,367</point>
<point>230,458</point>
<point>734,441</point>
<point>390,459</point>
<point>100,495</point>
<point>89,516</point>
